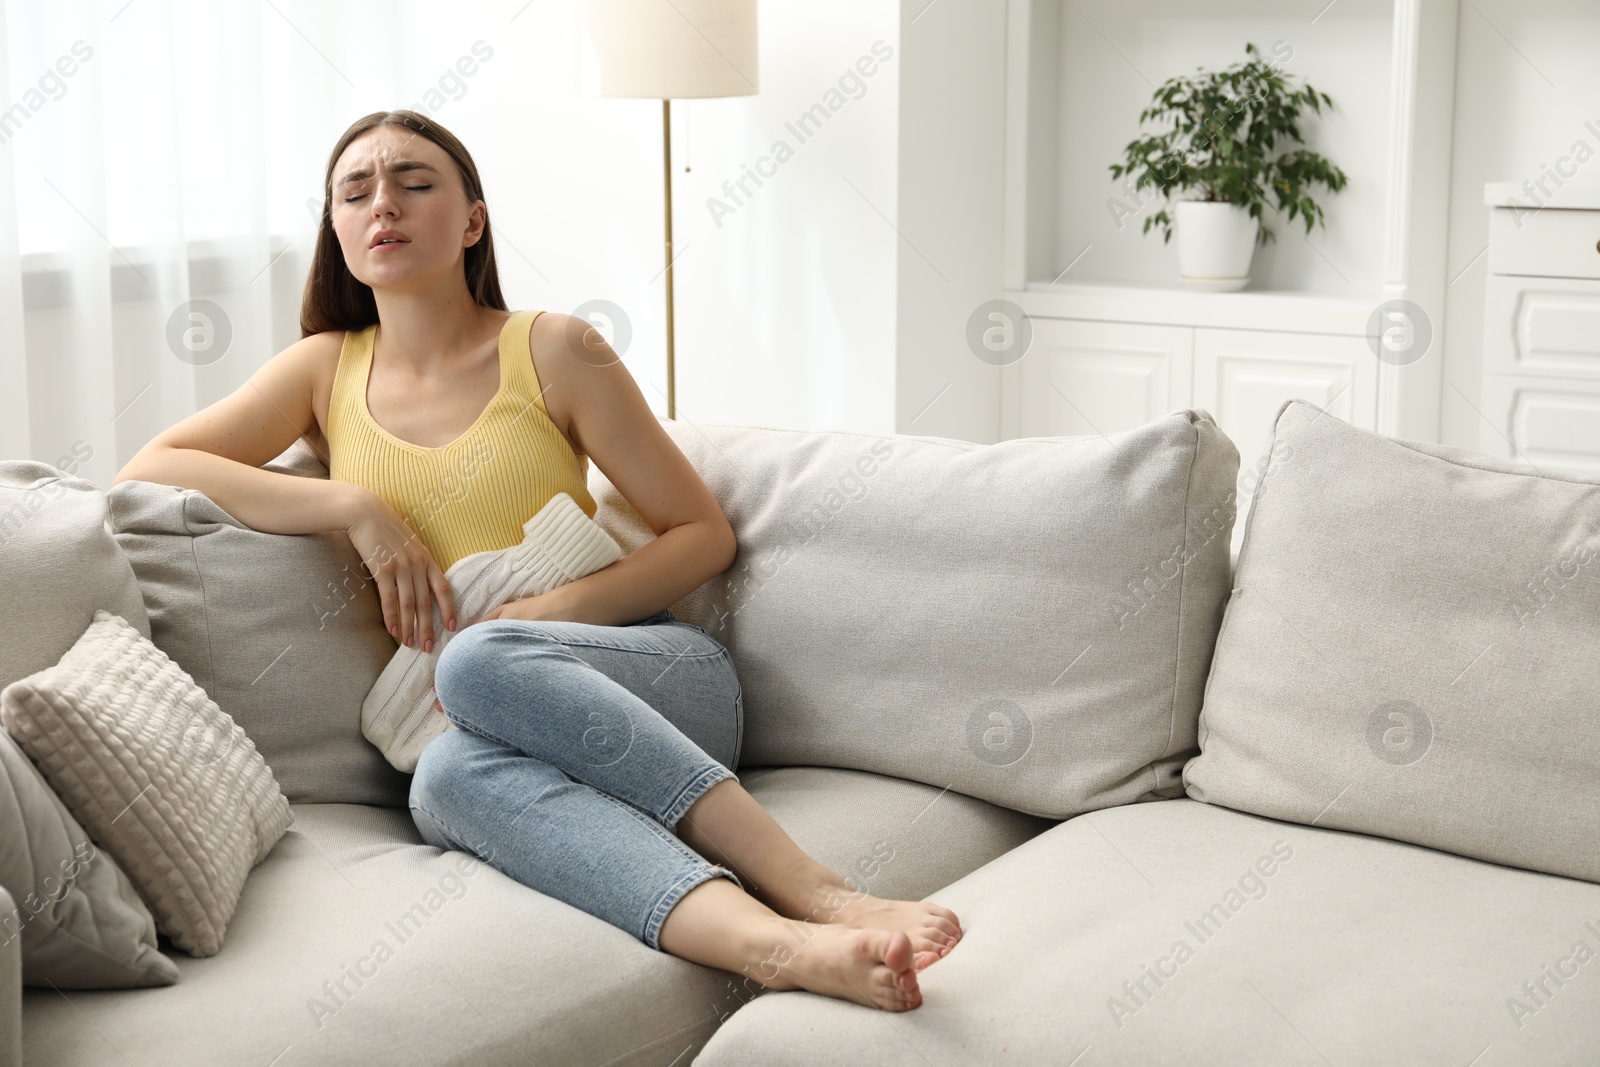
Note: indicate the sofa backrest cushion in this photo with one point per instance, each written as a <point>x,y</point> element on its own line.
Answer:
<point>58,563</point>
<point>1410,650</point>
<point>284,632</point>
<point>1028,622</point>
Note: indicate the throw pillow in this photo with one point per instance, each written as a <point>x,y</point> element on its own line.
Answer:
<point>162,780</point>
<point>1410,650</point>
<point>81,922</point>
<point>1028,622</point>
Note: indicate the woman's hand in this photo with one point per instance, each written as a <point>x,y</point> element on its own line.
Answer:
<point>553,606</point>
<point>406,574</point>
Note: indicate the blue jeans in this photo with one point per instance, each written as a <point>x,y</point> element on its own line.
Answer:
<point>578,750</point>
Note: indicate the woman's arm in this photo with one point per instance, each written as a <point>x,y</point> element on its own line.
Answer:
<point>614,426</point>
<point>220,450</point>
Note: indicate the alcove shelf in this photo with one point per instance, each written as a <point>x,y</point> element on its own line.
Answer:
<point>1116,340</point>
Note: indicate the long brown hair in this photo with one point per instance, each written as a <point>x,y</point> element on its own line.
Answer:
<point>333,298</point>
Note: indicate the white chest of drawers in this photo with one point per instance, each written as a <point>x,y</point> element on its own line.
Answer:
<point>1541,345</point>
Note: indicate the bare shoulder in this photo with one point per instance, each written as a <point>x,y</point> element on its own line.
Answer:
<point>316,357</point>
<point>571,370</point>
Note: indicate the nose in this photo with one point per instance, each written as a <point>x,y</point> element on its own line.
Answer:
<point>383,198</point>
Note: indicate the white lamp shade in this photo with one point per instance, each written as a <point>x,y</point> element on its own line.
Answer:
<point>670,49</point>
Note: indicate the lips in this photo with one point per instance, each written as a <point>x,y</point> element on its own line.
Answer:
<point>388,239</point>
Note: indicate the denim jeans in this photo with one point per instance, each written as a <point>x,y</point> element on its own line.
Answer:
<point>578,750</point>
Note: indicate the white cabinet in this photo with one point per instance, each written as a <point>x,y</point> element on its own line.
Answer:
<point>1087,377</point>
<point>1242,377</point>
<point>1101,377</point>
<point>1541,337</point>
<point>1545,326</point>
<point>1553,422</point>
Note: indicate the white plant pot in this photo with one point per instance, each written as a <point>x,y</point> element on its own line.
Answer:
<point>1216,242</point>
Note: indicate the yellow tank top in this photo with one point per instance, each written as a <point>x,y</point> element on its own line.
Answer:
<point>473,494</point>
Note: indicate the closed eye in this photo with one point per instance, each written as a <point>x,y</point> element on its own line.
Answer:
<point>352,199</point>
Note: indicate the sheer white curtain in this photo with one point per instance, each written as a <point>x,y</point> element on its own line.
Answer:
<point>161,165</point>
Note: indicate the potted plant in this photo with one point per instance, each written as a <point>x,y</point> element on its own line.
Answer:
<point>1229,137</point>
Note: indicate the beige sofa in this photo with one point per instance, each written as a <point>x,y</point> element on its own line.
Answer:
<point>982,675</point>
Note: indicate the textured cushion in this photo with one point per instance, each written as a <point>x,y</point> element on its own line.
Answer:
<point>1411,650</point>
<point>57,557</point>
<point>284,632</point>
<point>1179,933</point>
<point>80,921</point>
<point>1027,622</point>
<point>163,781</point>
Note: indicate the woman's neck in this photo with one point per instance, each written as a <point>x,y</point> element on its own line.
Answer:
<point>428,333</point>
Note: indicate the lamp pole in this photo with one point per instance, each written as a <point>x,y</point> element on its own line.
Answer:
<point>666,156</point>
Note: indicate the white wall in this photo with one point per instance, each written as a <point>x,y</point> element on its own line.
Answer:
<point>786,306</point>
<point>1526,84</point>
<point>952,175</point>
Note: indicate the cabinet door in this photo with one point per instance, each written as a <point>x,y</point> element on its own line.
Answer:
<point>1553,242</point>
<point>1102,377</point>
<point>1542,326</point>
<point>1242,377</point>
<point>1552,423</point>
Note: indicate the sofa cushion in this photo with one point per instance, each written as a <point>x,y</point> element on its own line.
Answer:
<point>163,780</point>
<point>353,937</point>
<point>58,563</point>
<point>284,632</point>
<point>890,837</point>
<point>1410,650</point>
<point>77,920</point>
<point>1178,932</point>
<point>893,838</point>
<point>1027,622</point>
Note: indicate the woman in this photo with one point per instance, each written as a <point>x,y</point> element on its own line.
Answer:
<point>597,732</point>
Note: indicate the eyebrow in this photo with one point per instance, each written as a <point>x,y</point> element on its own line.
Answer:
<point>399,166</point>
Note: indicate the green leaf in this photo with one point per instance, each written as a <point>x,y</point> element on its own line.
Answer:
<point>1232,135</point>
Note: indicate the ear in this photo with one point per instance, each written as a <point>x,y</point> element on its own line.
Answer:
<point>477,222</point>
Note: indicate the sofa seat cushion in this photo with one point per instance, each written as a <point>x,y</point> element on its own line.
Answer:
<point>1179,932</point>
<point>890,837</point>
<point>353,940</point>
<point>321,957</point>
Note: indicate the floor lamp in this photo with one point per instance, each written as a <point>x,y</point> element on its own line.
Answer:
<point>666,49</point>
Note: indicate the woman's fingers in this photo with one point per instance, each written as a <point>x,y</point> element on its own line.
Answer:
<point>424,605</point>
<point>445,596</point>
<point>406,594</point>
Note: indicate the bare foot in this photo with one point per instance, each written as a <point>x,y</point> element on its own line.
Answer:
<point>867,966</point>
<point>933,929</point>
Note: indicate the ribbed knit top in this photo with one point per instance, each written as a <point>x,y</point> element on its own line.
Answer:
<point>473,494</point>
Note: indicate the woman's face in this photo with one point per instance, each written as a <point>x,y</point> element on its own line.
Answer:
<point>392,179</point>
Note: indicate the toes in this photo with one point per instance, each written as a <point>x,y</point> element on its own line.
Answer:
<point>897,952</point>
